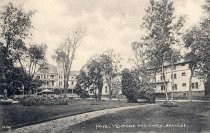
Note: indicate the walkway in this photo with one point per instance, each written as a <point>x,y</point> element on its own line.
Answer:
<point>63,123</point>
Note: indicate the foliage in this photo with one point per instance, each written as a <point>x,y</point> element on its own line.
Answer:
<point>81,92</point>
<point>84,95</point>
<point>169,104</point>
<point>111,63</point>
<point>194,42</point>
<point>38,101</point>
<point>133,89</point>
<point>6,101</point>
<point>129,86</point>
<point>95,74</point>
<point>159,22</point>
<point>197,41</point>
<point>36,57</point>
<point>15,24</point>
<point>83,80</point>
<point>6,66</point>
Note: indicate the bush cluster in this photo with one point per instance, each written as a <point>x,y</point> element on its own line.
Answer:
<point>169,104</point>
<point>134,89</point>
<point>37,101</point>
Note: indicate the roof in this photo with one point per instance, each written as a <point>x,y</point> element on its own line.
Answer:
<point>47,68</point>
<point>177,63</point>
<point>74,73</point>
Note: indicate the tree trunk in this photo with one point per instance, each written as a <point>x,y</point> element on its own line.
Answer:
<point>65,85</point>
<point>110,88</point>
<point>190,86</point>
<point>172,84</point>
<point>94,92</point>
<point>164,80</point>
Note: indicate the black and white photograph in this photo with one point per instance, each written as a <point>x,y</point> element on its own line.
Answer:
<point>105,66</point>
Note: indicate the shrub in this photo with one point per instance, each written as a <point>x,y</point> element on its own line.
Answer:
<point>135,89</point>
<point>38,100</point>
<point>129,86</point>
<point>169,104</point>
<point>84,95</point>
<point>6,101</point>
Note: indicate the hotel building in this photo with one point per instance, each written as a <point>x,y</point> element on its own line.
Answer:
<point>181,75</point>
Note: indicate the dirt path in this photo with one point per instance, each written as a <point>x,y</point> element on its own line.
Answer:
<point>63,123</point>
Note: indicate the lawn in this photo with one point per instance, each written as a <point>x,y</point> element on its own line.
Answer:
<point>15,116</point>
<point>188,117</point>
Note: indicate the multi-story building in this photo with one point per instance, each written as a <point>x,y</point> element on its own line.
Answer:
<point>48,74</point>
<point>52,78</point>
<point>181,77</point>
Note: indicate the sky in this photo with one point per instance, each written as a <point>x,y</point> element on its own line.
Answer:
<point>110,24</point>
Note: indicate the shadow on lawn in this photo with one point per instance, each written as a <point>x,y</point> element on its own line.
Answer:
<point>15,116</point>
<point>151,119</point>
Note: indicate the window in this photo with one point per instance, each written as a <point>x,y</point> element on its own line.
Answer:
<point>175,87</point>
<point>183,74</point>
<point>106,90</point>
<point>184,84</point>
<point>53,83</point>
<point>52,76</point>
<point>44,76</point>
<point>72,82</point>
<point>163,87</point>
<point>38,77</point>
<point>185,94</point>
<point>174,76</point>
<point>194,85</point>
<point>161,77</point>
<point>60,83</point>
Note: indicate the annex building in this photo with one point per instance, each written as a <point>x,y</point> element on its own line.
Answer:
<point>181,77</point>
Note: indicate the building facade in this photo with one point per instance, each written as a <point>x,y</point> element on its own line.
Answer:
<point>181,78</point>
<point>49,77</point>
<point>52,78</point>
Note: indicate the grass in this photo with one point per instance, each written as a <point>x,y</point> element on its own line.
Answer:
<point>187,117</point>
<point>15,116</point>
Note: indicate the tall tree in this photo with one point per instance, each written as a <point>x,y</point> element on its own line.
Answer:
<point>36,58</point>
<point>194,41</point>
<point>205,26</point>
<point>161,27</point>
<point>111,65</point>
<point>129,86</point>
<point>197,41</point>
<point>65,53</point>
<point>95,74</point>
<point>83,82</point>
<point>15,24</point>
<point>175,57</point>
<point>142,63</point>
